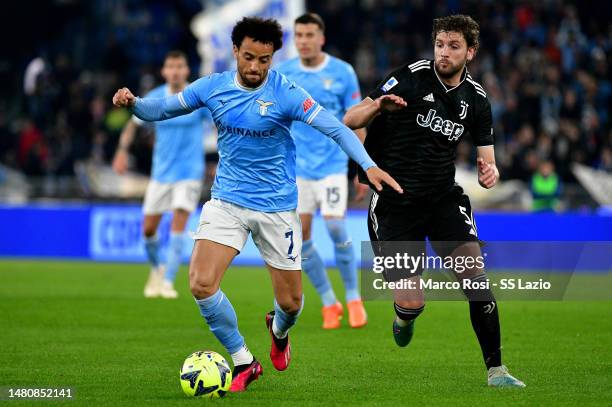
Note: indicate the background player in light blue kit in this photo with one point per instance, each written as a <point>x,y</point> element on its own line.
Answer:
<point>254,190</point>
<point>176,176</point>
<point>322,167</point>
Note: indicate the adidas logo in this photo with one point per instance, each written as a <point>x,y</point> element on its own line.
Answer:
<point>429,98</point>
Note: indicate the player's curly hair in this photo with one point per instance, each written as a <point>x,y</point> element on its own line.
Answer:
<point>460,23</point>
<point>267,31</point>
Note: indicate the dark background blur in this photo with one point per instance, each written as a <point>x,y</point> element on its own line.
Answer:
<point>545,66</point>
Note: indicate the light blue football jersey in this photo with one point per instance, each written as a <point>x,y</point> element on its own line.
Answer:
<point>178,153</point>
<point>256,149</point>
<point>334,85</point>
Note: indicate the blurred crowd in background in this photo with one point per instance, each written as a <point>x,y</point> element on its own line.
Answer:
<point>546,67</point>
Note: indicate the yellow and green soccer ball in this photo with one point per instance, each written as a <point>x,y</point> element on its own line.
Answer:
<point>205,374</point>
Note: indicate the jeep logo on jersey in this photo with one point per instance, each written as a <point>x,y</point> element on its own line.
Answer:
<point>436,123</point>
<point>263,106</point>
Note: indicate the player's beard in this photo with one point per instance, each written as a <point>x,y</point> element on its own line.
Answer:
<point>451,70</point>
<point>249,83</point>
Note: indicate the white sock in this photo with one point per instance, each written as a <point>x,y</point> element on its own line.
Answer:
<point>277,332</point>
<point>242,357</point>
<point>401,322</point>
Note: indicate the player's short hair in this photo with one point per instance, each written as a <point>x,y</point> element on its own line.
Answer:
<point>267,31</point>
<point>460,23</point>
<point>311,18</point>
<point>176,54</point>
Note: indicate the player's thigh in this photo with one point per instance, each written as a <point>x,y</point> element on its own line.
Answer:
<point>397,231</point>
<point>287,285</point>
<point>278,237</point>
<point>158,198</point>
<point>307,197</point>
<point>222,222</point>
<point>333,195</point>
<point>452,223</point>
<point>186,195</point>
<point>209,261</point>
<point>306,221</point>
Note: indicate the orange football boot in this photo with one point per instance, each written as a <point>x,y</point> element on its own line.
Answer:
<point>357,314</point>
<point>332,314</point>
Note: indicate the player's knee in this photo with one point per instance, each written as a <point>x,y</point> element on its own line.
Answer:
<point>200,285</point>
<point>149,230</point>
<point>337,231</point>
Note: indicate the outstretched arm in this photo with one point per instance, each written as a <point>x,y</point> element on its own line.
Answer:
<point>362,113</point>
<point>150,109</point>
<point>327,124</point>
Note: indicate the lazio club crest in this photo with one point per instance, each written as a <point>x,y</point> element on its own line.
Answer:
<point>263,106</point>
<point>327,83</point>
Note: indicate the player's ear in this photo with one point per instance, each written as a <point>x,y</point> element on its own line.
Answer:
<point>471,52</point>
<point>235,50</point>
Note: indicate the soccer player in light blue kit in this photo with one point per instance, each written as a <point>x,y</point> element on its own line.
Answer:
<point>176,176</point>
<point>322,167</point>
<point>254,190</point>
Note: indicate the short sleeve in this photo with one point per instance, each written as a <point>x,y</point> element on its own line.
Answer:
<point>483,134</point>
<point>196,94</point>
<point>352,94</point>
<point>299,105</point>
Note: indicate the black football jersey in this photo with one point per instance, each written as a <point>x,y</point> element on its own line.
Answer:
<point>417,144</point>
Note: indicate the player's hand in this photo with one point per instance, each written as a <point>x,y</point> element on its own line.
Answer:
<point>390,103</point>
<point>377,177</point>
<point>361,190</point>
<point>487,173</point>
<point>120,162</point>
<point>124,98</point>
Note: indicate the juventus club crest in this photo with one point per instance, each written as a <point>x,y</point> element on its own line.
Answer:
<point>263,106</point>
<point>464,107</point>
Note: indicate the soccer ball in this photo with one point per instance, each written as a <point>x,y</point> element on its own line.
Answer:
<point>205,374</point>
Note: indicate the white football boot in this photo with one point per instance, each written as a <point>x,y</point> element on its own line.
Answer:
<point>167,290</point>
<point>500,377</point>
<point>153,287</point>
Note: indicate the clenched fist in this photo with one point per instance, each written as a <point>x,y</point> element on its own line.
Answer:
<point>487,174</point>
<point>124,98</point>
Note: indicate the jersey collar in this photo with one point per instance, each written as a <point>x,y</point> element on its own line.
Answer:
<point>317,68</point>
<point>250,89</point>
<point>446,88</point>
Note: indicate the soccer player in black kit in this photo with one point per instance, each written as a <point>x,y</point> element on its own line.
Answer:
<point>415,119</point>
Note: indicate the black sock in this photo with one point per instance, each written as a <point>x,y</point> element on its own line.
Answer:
<point>281,343</point>
<point>485,321</point>
<point>407,314</point>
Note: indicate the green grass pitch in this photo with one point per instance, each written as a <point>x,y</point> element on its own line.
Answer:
<point>87,326</point>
